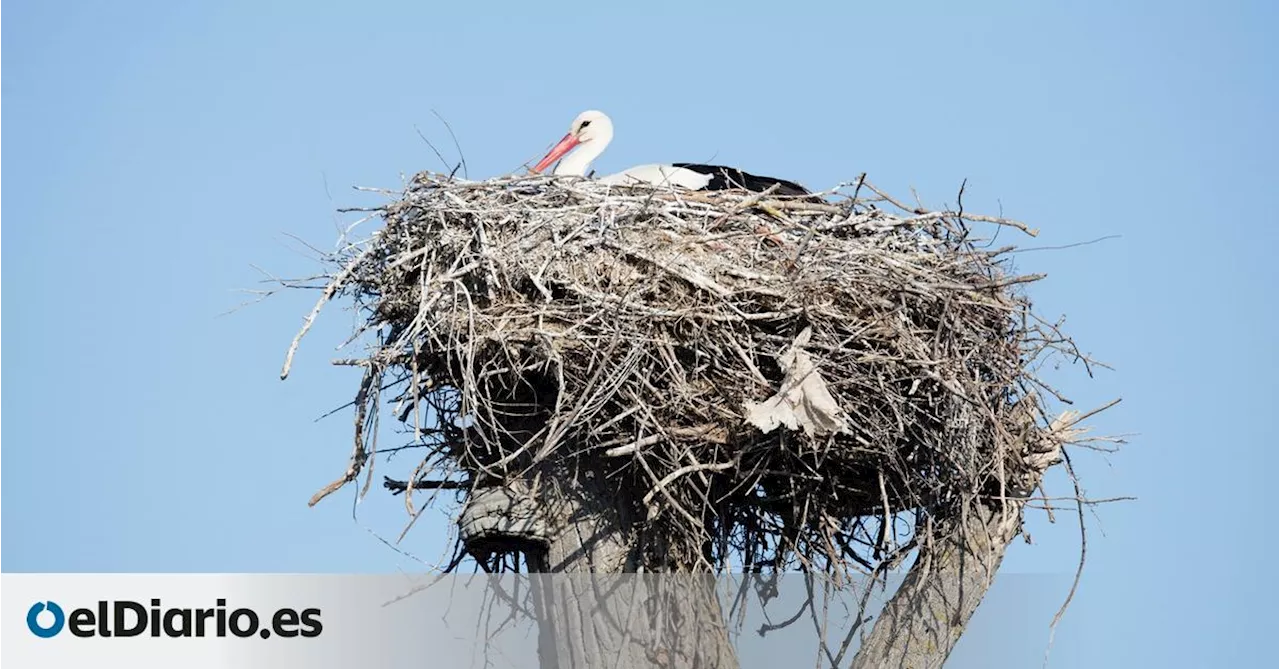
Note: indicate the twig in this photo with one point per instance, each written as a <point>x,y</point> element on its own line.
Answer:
<point>633,446</point>
<point>458,147</point>
<point>687,469</point>
<point>1084,542</point>
<point>329,292</point>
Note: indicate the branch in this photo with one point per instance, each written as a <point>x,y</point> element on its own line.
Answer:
<point>329,292</point>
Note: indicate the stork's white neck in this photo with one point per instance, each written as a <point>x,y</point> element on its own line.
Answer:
<point>578,160</point>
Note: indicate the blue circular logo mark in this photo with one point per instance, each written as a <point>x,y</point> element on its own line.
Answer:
<point>33,619</point>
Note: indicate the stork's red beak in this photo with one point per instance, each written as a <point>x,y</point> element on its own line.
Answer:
<point>564,146</point>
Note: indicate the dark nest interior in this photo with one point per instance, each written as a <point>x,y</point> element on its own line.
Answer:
<point>763,383</point>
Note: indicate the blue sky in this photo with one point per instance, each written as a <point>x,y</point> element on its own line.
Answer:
<point>158,149</point>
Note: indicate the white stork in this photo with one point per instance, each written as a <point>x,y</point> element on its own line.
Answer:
<point>591,132</point>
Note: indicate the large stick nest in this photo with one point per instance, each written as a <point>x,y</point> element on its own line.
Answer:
<point>777,380</point>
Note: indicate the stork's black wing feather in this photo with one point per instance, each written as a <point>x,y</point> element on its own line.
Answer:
<point>728,178</point>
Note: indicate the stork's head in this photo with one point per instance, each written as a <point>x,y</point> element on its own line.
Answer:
<point>592,128</point>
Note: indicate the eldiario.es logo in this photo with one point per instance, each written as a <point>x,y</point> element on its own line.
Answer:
<point>125,618</point>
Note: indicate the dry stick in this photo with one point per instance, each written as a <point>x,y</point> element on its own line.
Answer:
<point>687,469</point>
<point>920,211</point>
<point>1089,414</point>
<point>882,543</point>
<point>456,145</point>
<point>706,283</point>
<point>337,283</point>
<point>358,453</point>
<point>670,195</point>
<point>1057,617</point>
<point>675,504</point>
<point>408,491</point>
<point>372,456</point>
<point>744,205</point>
<point>633,446</point>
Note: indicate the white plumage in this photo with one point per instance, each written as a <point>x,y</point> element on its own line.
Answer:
<point>659,174</point>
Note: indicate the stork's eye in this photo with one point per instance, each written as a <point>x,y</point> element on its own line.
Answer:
<point>584,125</point>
